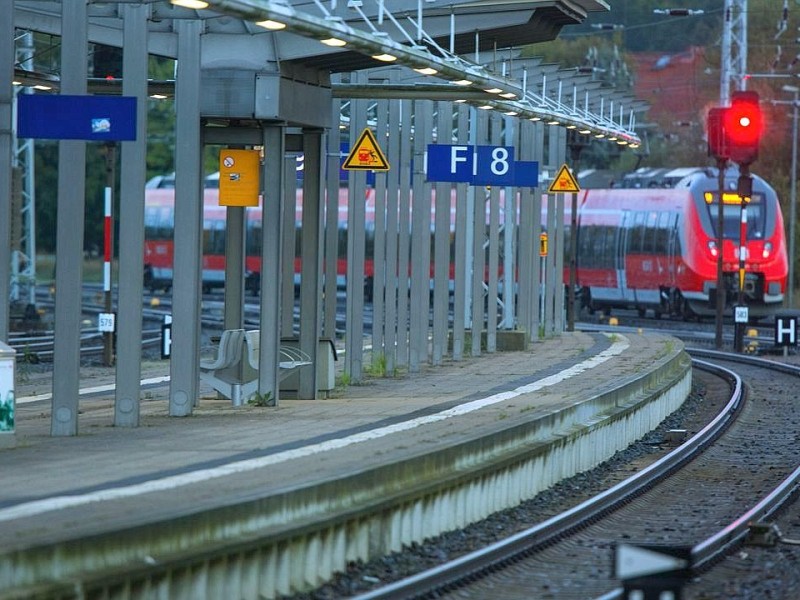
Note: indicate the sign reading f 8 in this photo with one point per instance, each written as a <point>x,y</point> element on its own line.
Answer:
<point>479,165</point>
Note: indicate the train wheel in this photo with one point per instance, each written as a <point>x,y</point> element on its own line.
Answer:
<point>586,300</point>
<point>685,310</point>
<point>148,279</point>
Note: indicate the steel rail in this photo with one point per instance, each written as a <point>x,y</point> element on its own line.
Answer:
<point>484,560</point>
<point>706,553</point>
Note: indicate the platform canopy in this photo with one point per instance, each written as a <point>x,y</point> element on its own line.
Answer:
<point>453,49</point>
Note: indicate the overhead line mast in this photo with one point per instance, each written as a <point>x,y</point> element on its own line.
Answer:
<point>734,50</point>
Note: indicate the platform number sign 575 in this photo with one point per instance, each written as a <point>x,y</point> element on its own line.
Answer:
<point>106,322</point>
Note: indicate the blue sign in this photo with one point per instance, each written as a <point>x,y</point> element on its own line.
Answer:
<point>480,165</point>
<point>64,117</point>
<point>494,165</point>
<point>449,163</point>
<point>526,173</point>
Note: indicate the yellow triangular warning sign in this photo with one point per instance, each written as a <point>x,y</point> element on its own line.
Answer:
<point>564,182</point>
<point>366,154</point>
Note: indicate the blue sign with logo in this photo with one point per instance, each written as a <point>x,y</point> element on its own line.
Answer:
<point>479,165</point>
<point>65,117</point>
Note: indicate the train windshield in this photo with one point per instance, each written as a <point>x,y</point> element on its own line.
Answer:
<point>732,214</point>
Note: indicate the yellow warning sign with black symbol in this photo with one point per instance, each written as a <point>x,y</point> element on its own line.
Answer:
<point>238,177</point>
<point>366,154</point>
<point>564,181</point>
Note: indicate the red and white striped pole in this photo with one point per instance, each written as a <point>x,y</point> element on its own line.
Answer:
<point>107,243</point>
<point>108,252</point>
<point>742,250</point>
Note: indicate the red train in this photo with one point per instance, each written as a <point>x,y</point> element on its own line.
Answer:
<point>651,243</point>
<point>648,242</point>
<point>159,223</point>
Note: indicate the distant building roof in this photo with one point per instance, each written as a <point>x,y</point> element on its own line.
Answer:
<point>677,86</point>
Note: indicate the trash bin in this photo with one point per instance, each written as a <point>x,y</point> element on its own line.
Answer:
<point>326,372</point>
<point>7,429</point>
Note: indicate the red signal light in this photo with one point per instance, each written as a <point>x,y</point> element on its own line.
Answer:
<point>734,132</point>
<point>742,126</point>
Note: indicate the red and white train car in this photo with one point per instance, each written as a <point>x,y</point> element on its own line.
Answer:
<point>653,244</point>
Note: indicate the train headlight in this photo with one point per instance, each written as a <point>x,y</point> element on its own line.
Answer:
<point>767,251</point>
<point>712,248</point>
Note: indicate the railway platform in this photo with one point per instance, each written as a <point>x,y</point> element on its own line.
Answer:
<point>294,491</point>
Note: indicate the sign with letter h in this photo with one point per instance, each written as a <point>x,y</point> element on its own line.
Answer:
<point>785,330</point>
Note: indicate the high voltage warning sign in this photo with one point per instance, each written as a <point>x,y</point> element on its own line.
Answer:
<point>564,182</point>
<point>366,154</point>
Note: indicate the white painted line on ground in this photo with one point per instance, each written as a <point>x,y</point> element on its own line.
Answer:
<point>91,390</point>
<point>37,507</point>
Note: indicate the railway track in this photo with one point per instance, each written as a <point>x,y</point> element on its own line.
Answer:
<point>702,497</point>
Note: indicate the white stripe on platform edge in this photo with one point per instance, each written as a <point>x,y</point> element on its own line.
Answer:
<point>37,507</point>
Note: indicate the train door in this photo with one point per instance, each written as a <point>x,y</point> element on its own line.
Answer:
<point>673,249</point>
<point>623,251</point>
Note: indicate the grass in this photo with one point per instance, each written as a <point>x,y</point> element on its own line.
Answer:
<point>92,269</point>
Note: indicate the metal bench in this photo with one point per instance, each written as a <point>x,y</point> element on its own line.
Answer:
<point>291,360</point>
<point>220,372</point>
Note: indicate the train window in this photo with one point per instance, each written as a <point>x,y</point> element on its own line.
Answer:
<point>650,234</point>
<point>606,259</point>
<point>589,244</point>
<point>598,243</point>
<point>636,237</point>
<point>253,238</point>
<point>158,222</point>
<point>732,214</point>
<point>662,233</point>
<point>214,236</point>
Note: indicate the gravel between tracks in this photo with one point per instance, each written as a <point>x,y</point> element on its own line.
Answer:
<point>752,573</point>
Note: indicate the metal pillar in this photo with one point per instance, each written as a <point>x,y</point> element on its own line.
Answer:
<point>720,306</point>
<point>288,235</point>
<point>233,311</point>
<point>793,201</point>
<point>23,159</point>
<point>460,283</point>
<point>404,236</point>
<point>526,256</point>
<point>187,274</point>
<point>354,343</point>
<point>379,272</point>
<point>270,293</point>
<point>394,280</point>
<point>510,212</point>
<point>69,230</point>
<point>420,240</point>
<point>478,221</point>
<point>441,260</point>
<point>311,277</point>
<point>493,243</point>
<point>131,218</point>
<point>330,255</point>
<point>6,146</point>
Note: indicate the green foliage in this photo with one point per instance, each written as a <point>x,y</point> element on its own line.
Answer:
<point>258,399</point>
<point>377,367</point>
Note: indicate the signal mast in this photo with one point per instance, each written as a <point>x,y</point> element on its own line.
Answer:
<point>734,50</point>
<point>734,132</point>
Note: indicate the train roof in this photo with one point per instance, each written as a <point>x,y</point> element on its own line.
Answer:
<point>682,178</point>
